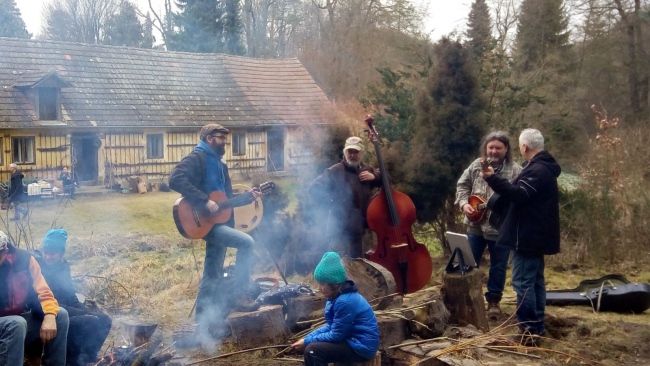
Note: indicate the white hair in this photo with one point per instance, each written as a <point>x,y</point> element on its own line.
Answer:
<point>532,138</point>
<point>13,165</point>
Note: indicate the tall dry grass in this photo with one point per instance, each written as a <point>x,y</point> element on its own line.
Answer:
<point>606,219</point>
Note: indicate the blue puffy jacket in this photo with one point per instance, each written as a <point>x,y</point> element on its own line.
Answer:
<point>349,318</point>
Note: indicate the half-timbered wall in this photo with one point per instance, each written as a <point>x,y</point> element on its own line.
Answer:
<point>298,148</point>
<point>125,152</point>
<point>254,158</point>
<point>51,153</point>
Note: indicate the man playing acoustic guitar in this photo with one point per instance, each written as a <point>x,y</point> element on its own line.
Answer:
<point>200,173</point>
<point>472,194</point>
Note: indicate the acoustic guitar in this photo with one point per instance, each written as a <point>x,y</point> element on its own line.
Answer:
<point>196,223</point>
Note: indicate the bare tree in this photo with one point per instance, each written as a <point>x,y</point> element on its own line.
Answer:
<point>77,20</point>
<point>505,21</point>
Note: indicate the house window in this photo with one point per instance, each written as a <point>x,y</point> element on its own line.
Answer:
<point>48,106</point>
<point>23,150</point>
<point>238,144</point>
<point>155,146</point>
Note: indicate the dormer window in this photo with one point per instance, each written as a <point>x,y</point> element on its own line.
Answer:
<point>44,90</point>
<point>49,106</point>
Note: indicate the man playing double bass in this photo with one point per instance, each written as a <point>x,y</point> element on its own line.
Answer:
<point>495,147</point>
<point>195,177</point>
<point>346,190</point>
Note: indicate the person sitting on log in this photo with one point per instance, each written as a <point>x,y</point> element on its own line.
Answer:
<point>88,329</point>
<point>68,183</point>
<point>28,310</point>
<point>351,333</point>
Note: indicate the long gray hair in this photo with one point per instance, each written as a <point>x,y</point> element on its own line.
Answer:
<point>501,136</point>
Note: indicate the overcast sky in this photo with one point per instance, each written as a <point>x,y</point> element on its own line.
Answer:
<point>443,15</point>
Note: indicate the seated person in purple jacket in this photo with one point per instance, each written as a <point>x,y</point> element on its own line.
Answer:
<point>351,333</point>
<point>88,330</point>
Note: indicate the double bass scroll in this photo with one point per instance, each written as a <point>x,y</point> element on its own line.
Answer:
<point>390,215</point>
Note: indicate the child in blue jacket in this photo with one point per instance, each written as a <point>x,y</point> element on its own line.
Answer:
<point>351,333</point>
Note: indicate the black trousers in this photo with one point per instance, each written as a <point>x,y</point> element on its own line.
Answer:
<point>322,353</point>
<point>86,335</point>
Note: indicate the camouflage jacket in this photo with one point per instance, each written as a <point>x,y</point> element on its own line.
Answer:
<point>470,183</point>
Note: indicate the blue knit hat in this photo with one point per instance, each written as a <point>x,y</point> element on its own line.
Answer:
<point>55,240</point>
<point>330,269</point>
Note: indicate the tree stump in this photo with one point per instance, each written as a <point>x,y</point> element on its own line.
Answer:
<point>434,314</point>
<point>258,328</point>
<point>392,331</point>
<point>303,308</point>
<point>373,280</point>
<point>464,298</point>
<point>373,362</point>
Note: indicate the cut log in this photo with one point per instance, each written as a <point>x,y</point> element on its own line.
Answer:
<point>392,331</point>
<point>303,308</point>
<point>373,280</point>
<point>374,362</point>
<point>263,327</point>
<point>463,296</point>
<point>434,314</point>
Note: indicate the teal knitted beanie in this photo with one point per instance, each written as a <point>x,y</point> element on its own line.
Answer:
<point>55,240</point>
<point>330,269</point>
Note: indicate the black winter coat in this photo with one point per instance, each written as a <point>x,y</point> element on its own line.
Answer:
<point>17,190</point>
<point>188,179</point>
<point>339,191</point>
<point>59,278</point>
<point>532,220</point>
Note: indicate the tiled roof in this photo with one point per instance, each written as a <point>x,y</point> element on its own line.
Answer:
<point>120,86</point>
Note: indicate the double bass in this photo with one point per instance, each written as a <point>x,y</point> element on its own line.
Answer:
<point>390,215</point>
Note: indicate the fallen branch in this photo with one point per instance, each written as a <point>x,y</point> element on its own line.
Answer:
<point>236,353</point>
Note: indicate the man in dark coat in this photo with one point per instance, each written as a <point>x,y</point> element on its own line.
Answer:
<point>16,194</point>
<point>345,190</point>
<point>200,173</point>
<point>531,228</point>
<point>87,330</point>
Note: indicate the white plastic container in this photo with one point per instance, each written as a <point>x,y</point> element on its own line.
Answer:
<point>33,189</point>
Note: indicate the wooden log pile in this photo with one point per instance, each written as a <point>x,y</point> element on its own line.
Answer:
<point>423,315</point>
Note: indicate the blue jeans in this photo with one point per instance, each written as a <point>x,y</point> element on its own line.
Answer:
<point>498,265</point>
<point>16,330</point>
<point>216,242</point>
<point>528,283</point>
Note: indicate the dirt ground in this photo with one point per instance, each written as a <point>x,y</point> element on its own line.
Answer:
<point>125,251</point>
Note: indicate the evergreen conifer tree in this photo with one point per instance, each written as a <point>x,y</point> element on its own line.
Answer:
<point>233,28</point>
<point>124,28</point>
<point>201,26</point>
<point>448,129</point>
<point>541,32</point>
<point>11,23</point>
<point>148,39</point>
<point>479,29</point>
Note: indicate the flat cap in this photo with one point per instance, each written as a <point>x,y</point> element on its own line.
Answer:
<point>212,128</point>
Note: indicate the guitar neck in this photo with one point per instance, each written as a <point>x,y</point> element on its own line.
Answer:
<point>237,201</point>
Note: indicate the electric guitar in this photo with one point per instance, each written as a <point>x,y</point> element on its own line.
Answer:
<point>195,223</point>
